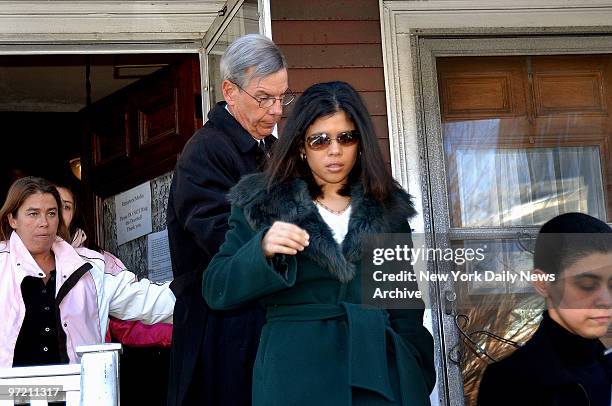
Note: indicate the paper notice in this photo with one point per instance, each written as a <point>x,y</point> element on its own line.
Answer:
<point>158,257</point>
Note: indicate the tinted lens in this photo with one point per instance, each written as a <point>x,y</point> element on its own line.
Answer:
<point>347,138</point>
<point>318,141</point>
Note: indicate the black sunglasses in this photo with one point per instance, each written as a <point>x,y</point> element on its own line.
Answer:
<point>321,141</point>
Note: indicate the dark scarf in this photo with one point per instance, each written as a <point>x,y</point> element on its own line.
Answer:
<point>291,202</point>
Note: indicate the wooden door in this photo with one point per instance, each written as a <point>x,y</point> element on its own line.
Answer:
<point>525,138</point>
<point>136,134</point>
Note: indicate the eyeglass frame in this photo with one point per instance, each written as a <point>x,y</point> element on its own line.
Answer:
<point>259,100</point>
<point>355,134</point>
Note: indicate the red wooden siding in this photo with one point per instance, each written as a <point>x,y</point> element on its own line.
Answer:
<point>335,40</point>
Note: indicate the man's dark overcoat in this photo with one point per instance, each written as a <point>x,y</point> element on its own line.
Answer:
<point>212,352</point>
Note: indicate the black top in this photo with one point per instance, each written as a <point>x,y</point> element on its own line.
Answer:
<point>582,358</point>
<point>212,352</point>
<point>555,367</point>
<point>38,342</point>
<point>213,160</point>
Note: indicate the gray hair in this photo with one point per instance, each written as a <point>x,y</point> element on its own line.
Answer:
<point>252,50</point>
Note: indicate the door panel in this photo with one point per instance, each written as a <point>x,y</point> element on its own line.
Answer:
<point>137,133</point>
<point>473,156</point>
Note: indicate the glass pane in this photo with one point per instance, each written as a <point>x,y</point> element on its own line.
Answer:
<point>494,314</point>
<point>505,187</point>
<point>246,21</point>
<point>526,138</point>
<point>497,307</point>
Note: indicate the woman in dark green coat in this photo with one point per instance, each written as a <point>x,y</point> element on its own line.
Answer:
<point>295,244</point>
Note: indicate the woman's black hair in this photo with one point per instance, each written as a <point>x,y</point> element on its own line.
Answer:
<point>567,238</point>
<point>78,219</point>
<point>320,100</point>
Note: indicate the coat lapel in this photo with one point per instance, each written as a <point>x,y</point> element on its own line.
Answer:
<point>291,202</point>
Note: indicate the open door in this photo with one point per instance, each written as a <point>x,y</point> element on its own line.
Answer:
<point>240,17</point>
<point>136,134</point>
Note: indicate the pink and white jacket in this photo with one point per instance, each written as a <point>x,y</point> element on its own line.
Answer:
<point>128,332</point>
<point>85,296</point>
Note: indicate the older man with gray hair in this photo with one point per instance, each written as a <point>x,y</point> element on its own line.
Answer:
<point>213,352</point>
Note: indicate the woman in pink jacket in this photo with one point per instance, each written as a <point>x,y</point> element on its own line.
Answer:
<point>53,298</point>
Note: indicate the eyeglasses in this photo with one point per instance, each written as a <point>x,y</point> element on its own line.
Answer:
<point>268,101</point>
<point>321,141</point>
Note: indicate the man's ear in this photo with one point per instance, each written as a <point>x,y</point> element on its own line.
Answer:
<point>12,221</point>
<point>230,92</point>
<point>541,285</point>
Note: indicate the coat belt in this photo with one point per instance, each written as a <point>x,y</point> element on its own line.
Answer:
<point>367,333</point>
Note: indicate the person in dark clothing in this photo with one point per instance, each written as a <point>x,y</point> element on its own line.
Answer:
<point>295,243</point>
<point>564,363</point>
<point>213,352</point>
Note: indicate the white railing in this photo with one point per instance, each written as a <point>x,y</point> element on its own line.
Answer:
<point>95,382</point>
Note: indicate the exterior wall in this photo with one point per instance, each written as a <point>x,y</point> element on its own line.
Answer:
<point>339,40</point>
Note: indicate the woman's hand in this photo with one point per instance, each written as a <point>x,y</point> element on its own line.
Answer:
<point>79,238</point>
<point>284,238</point>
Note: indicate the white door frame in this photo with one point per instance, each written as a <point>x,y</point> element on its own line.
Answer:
<point>112,27</point>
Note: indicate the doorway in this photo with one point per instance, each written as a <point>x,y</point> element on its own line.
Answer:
<point>105,112</point>
<point>158,84</point>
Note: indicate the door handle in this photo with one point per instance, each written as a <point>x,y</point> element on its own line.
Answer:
<point>449,302</point>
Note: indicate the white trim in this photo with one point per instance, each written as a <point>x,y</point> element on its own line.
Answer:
<point>265,28</point>
<point>205,95</point>
<point>24,21</point>
<point>401,111</point>
<point>216,29</point>
<point>50,47</point>
<point>445,5</point>
<point>265,19</point>
<point>83,7</point>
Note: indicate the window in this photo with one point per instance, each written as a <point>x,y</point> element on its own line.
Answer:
<point>512,139</point>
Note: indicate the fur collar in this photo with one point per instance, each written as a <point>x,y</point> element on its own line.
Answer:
<point>291,202</point>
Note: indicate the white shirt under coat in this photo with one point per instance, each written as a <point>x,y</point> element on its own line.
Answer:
<point>338,223</point>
